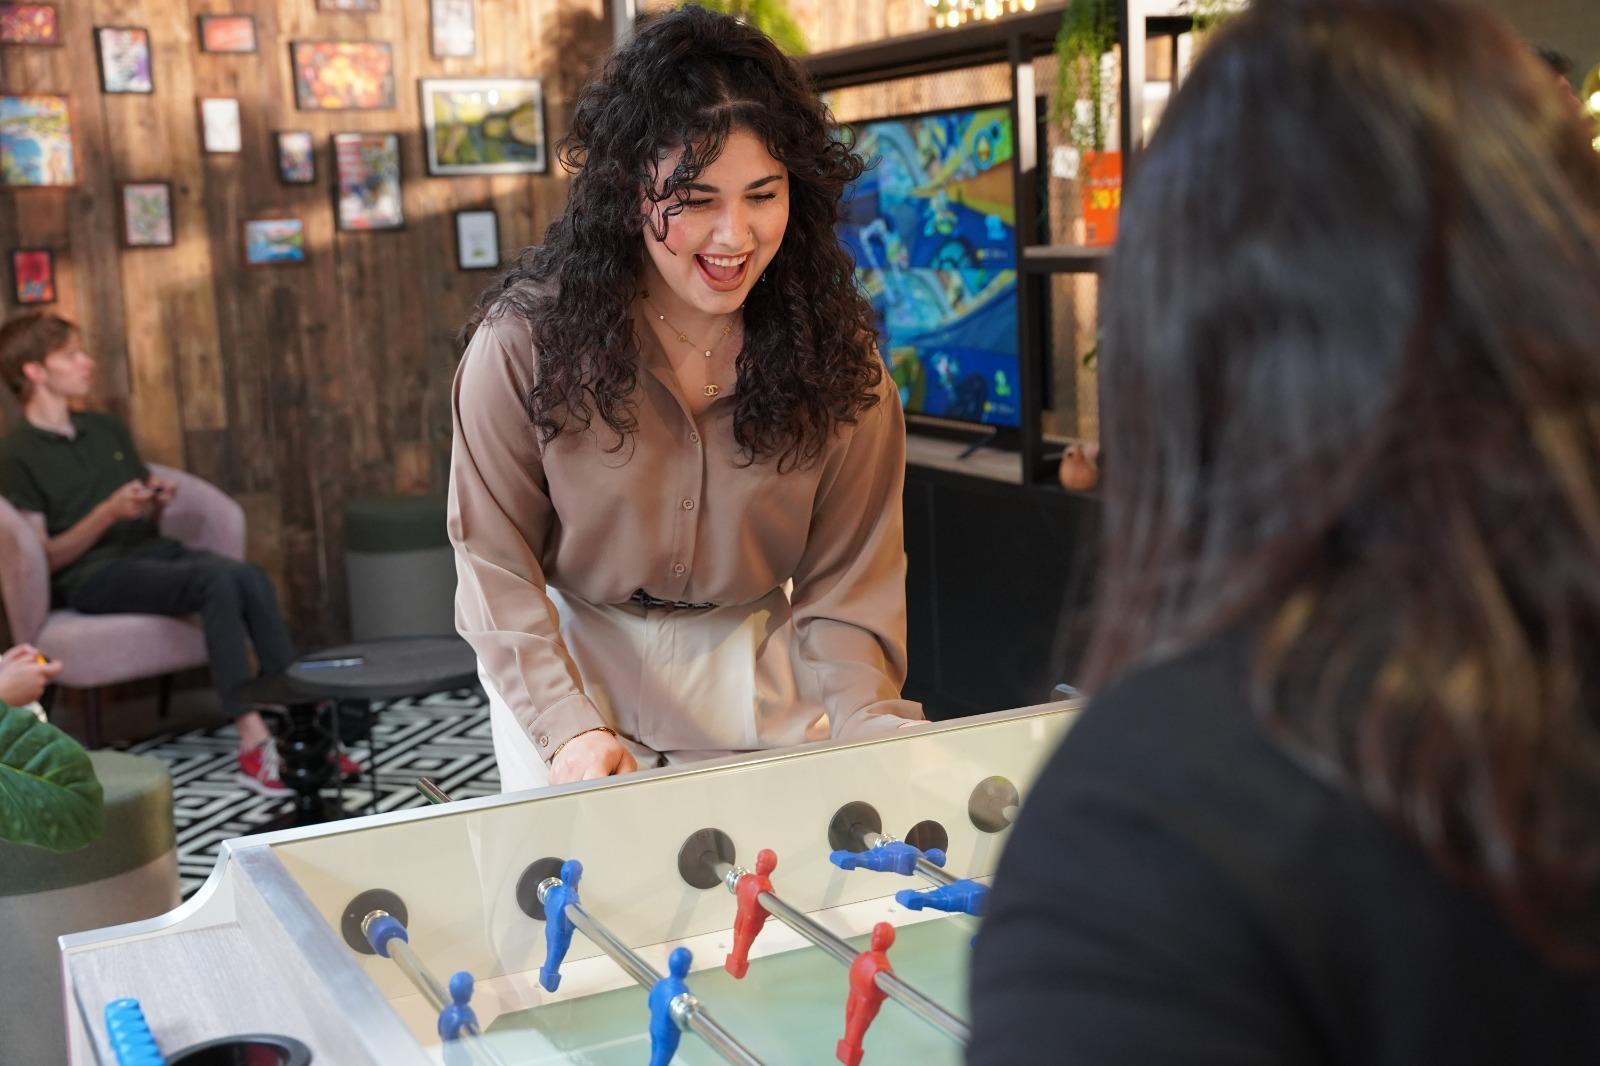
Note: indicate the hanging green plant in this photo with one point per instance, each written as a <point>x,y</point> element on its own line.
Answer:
<point>1088,31</point>
<point>771,17</point>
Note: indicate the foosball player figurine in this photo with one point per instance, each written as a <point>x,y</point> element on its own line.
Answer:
<point>751,914</point>
<point>664,1031</point>
<point>865,995</point>
<point>557,926</point>
<point>457,1015</point>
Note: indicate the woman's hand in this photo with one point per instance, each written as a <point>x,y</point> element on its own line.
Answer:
<point>23,677</point>
<point>597,753</point>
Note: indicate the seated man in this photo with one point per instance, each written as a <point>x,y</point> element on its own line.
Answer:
<point>77,475</point>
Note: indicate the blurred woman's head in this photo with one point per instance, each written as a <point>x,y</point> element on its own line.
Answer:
<point>1351,391</point>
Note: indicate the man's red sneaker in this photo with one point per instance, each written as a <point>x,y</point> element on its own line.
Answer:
<point>258,770</point>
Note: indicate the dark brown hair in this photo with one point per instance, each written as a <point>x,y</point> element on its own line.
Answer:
<point>687,79</point>
<point>28,338</point>
<point>1351,391</point>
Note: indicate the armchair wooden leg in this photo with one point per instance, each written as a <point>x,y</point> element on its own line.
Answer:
<point>93,705</point>
<point>164,697</point>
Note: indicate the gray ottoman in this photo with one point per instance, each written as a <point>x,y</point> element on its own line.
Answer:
<point>401,572</point>
<point>129,874</point>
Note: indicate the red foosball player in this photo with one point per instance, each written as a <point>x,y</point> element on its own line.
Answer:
<point>751,915</point>
<point>865,995</point>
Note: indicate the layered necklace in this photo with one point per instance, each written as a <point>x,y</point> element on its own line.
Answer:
<point>705,350</point>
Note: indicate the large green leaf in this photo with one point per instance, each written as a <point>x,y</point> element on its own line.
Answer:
<point>49,796</point>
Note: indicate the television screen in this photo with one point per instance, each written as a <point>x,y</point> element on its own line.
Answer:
<point>931,226</point>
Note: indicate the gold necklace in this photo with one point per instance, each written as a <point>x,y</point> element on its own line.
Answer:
<point>727,330</point>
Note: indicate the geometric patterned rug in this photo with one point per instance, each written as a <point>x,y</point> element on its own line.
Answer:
<point>444,737</point>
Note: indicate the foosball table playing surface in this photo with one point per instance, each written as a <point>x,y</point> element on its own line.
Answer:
<point>809,905</point>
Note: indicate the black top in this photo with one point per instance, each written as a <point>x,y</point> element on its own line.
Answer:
<point>64,478</point>
<point>1177,891</point>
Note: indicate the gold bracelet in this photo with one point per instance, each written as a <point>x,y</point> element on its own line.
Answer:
<point>597,729</point>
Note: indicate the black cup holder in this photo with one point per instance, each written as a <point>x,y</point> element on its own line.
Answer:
<point>253,1049</point>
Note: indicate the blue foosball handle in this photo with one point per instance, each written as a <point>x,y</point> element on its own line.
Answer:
<point>896,856</point>
<point>131,1040</point>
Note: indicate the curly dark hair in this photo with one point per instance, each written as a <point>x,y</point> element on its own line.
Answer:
<point>687,79</point>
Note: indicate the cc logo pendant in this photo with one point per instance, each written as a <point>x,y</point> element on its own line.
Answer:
<point>712,390</point>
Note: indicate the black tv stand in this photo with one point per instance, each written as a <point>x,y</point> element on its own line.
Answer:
<point>983,441</point>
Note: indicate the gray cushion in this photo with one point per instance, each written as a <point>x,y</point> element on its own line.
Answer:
<point>138,792</point>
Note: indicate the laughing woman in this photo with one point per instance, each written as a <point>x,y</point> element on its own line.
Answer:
<point>677,467</point>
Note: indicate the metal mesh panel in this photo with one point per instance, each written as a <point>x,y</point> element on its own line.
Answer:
<point>934,92</point>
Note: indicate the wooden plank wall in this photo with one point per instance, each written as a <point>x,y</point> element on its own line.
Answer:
<point>294,388</point>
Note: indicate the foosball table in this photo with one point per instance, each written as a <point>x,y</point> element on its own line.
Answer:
<point>808,905</point>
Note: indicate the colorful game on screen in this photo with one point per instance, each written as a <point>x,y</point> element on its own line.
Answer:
<point>931,228</point>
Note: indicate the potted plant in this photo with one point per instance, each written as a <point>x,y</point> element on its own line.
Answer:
<point>1078,106</point>
<point>49,796</point>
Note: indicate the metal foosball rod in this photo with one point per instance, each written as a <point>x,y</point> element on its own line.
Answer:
<point>388,938</point>
<point>912,999</point>
<point>924,866</point>
<point>685,1008</point>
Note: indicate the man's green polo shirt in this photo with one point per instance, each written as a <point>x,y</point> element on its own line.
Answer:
<point>64,478</point>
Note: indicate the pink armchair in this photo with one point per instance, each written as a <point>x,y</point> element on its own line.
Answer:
<point>103,650</point>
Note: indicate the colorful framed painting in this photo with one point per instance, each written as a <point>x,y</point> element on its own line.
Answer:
<point>124,59</point>
<point>484,125</point>
<point>274,241</point>
<point>33,275</point>
<point>368,190</point>
<point>297,157</point>
<point>29,24</point>
<point>455,28</point>
<point>36,141</point>
<point>219,125</point>
<point>234,34</point>
<point>477,239</point>
<point>347,5</point>
<point>343,75</point>
<point>147,214</point>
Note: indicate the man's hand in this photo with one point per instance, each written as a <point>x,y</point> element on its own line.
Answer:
<point>24,673</point>
<point>597,753</point>
<point>162,490</point>
<point>133,500</point>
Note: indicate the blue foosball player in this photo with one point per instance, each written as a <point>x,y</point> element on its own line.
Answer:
<point>557,926</point>
<point>664,1031</point>
<point>894,856</point>
<point>958,897</point>
<point>455,1017</point>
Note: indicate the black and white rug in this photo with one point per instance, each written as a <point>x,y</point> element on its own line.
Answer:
<point>444,738</point>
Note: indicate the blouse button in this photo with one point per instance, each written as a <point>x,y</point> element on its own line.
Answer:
<point>694,438</point>
<point>688,505</point>
<point>544,740</point>
<point>678,568</point>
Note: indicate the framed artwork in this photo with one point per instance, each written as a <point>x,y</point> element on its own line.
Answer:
<point>455,28</point>
<point>33,275</point>
<point>227,33</point>
<point>219,125</point>
<point>29,24</point>
<point>477,239</point>
<point>343,75</point>
<point>483,125</point>
<point>368,166</point>
<point>124,59</point>
<point>147,214</point>
<point>272,241</point>
<point>347,5</point>
<point>297,157</point>
<point>36,141</point>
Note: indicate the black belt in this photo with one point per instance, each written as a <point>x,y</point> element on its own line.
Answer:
<point>644,599</point>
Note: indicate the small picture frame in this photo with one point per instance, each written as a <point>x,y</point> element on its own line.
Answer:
<point>483,126</point>
<point>219,125</point>
<point>368,188</point>
<point>36,141</point>
<point>274,241</point>
<point>343,75</point>
<point>477,239</point>
<point>147,215</point>
<point>455,28</point>
<point>228,34</point>
<point>33,275</point>
<point>297,157</point>
<point>124,59</point>
<point>348,5</point>
<point>29,24</point>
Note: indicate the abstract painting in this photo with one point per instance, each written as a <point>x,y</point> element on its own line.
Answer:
<point>33,275</point>
<point>147,214</point>
<point>368,167</point>
<point>227,33</point>
<point>29,24</point>
<point>297,157</point>
<point>484,125</point>
<point>455,28</point>
<point>36,141</point>
<point>274,240</point>
<point>124,59</point>
<point>343,75</point>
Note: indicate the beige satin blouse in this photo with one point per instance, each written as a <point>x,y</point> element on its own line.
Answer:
<point>678,514</point>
